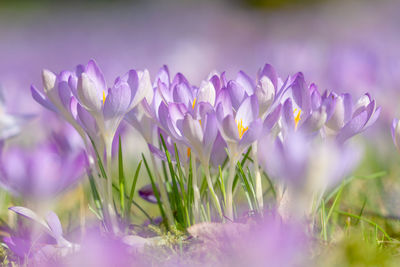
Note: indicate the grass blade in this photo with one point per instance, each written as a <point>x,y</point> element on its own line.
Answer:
<point>121,179</point>
<point>155,190</point>
<point>133,187</point>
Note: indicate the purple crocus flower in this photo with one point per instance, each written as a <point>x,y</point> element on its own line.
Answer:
<point>364,113</point>
<point>395,130</point>
<point>41,172</point>
<point>239,128</point>
<point>43,242</point>
<point>57,96</point>
<point>306,166</point>
<point>10,124</point>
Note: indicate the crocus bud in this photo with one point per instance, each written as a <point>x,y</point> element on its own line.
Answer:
<point>396,133</point>
<point>265,92</point>
<point>49,80</point>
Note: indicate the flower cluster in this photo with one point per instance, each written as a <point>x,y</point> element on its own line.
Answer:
<point>203,140</point>
<point>280,119</point>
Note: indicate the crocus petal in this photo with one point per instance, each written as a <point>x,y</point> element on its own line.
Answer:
<point>55,225</point>
<point>315,121</point>
<point>229,129</point>
<point>236,93</point>
<point>246,82</point>
<point>64,94</point>
<point>210,132</point>
<point>348,107</point>
<point>147,193</point>
<point>272,118</point>
<point>374,117</point>
<point>223,104</point>
<point>95,74</point>
<point>89,95</point>
<point>269,71</point>
<point>206,93</point>
<point>49,80</point>
<point>395,129</point>
<point>87,121</point>
<point>40,98</point>
<point>288,117</point>
<point>353,127</point>
<point>117,101</point>
<point>301,93</point>
<point>248,111</point>
<point>31,215</point>
<point>315,100</point>
<point>145,89</point>
<point>162,76</point>
<point>192,130</point>
<point>218,151</point>
<point>251,135</point>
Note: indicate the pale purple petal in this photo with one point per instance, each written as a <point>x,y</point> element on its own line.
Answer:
<point>353,127</point>
<point>248,111</point>
<point>41,99</point>
<point>246,82</point>
<point>229,129</point>
<point>251,135</point>
<point>270,72</point>
<point>236,93</point>
<point>117,101</point>
<point>272,118</point>
<point>95,74</point>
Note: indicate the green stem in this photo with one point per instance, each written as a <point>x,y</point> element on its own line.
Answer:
<point>163,193</point>
<point>197,197</point>
<point>229,193</point>
<point>211,188</point>
<point>259,191</point>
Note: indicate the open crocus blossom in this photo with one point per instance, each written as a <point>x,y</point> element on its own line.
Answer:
<point>42,172</point>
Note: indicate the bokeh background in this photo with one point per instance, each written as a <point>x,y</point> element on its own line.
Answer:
<point>345,46</point>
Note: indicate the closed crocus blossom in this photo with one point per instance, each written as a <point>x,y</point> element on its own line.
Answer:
<point>42,172</point>
<point>364,113</point>
<point>109,106</point>
<point>395,130</point>
<point>57,96</point>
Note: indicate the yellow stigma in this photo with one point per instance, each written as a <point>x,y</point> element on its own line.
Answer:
<point>241,129</point>
<point>188,152</point>
<point>193,103</point>
<point>104,97</point>
<point>297,118</point>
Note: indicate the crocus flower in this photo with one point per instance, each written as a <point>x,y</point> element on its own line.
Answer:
<point>395,130</point>
<point>307,166</point>
<point>40,173</point>
<point>39,246</point>
<point>240,128</point>
<point>57,96</point>
<point>10,124</point>
<point>364,113</point>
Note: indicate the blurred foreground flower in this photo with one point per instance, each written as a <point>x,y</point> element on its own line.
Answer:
<point>10,124</point>
<point>42,172</point>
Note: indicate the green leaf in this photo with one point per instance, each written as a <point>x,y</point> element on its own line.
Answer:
<point>155,190</point>
<point>133,187</point>
<point>121,179</point>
